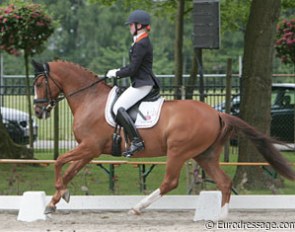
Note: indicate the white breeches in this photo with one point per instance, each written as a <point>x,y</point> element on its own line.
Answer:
<point>131,96</point>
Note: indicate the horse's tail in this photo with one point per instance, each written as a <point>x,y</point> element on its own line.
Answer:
<point>262,142</point>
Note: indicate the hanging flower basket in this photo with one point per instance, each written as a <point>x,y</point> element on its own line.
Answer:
<point>285,44</point>
<point>25,28</point>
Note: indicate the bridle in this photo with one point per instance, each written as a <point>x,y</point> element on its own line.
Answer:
<point>48,98</point>
<point>51,102</point>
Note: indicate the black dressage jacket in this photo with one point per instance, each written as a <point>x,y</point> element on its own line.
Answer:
<point>141,63</point>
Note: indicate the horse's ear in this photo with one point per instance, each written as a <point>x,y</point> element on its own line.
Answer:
<point>37,66</point>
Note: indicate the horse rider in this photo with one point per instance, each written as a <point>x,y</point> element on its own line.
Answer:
<point>142,78</point>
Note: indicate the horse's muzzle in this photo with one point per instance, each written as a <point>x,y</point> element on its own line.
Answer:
<point>43,112</point>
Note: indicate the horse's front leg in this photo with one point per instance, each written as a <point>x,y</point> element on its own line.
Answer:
<point>73,169</point>
<point>80,157</point>
<point>60,192</point>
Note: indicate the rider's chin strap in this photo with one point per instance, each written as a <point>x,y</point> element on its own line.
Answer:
<point>137,29</point>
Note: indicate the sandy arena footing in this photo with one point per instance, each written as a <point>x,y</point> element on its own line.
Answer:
<point>150,220</point>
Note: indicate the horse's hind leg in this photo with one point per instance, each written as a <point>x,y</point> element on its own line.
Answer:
<point>173,168</point>
<point>210,164</point>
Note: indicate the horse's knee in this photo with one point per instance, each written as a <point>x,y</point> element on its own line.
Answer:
<point>167,186</point>
<point>58,166</point>
<point>58,163</point>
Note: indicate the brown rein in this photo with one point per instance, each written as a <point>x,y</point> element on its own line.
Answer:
<point>85,88</point>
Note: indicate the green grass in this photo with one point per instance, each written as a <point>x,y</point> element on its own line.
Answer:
<point>15,179</point>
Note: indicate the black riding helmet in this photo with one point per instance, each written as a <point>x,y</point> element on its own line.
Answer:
<point>139,16</point>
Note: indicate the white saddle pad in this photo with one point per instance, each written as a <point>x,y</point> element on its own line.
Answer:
<point>150,111</point>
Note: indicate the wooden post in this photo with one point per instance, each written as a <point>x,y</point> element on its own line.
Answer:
<point>199,57</point>
<point>56,132</point>
<point>228,102</point>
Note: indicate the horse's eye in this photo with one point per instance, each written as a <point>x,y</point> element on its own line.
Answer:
<point>39,85</point>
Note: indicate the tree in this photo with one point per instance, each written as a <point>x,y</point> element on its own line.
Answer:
<point>24,27</point>
<point>178,56</point>
<point>256,85</point>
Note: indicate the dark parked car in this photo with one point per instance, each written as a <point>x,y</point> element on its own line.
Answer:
<point>282,111</point>
<point>17,125</point>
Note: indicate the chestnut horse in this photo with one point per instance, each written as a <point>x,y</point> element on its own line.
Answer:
<point>186,129</point>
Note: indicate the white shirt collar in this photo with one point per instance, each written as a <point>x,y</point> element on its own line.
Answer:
<point>136,36</point>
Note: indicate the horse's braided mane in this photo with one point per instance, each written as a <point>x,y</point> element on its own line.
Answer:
<point>78,66</point>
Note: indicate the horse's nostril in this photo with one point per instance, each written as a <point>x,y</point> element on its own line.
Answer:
<point>38,112</point>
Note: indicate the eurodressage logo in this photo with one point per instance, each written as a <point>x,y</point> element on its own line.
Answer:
<point>222,225</point>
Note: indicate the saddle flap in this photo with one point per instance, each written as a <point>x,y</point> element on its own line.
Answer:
<point>145,114</point>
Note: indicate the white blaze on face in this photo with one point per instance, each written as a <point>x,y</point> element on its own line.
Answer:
<point>35,92</point>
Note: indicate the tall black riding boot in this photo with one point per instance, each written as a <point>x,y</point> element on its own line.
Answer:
<point>125,121</point>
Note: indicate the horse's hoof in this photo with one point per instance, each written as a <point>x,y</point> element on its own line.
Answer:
<point>134,212</point>
<point>49,209</point>
<point>66,196</point>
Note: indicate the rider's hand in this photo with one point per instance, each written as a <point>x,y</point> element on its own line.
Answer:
<point>112,73</point>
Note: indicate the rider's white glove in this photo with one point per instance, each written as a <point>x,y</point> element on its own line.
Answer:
<point>112,73</point>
